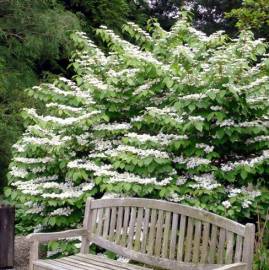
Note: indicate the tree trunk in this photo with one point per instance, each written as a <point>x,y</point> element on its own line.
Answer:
<point>7,217</point>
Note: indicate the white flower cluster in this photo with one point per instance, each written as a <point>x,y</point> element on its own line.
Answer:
<point>114,176</point>
<point>98,84</point>
<point>226,204</point>
<point>113,126</point>
<point>207,148</point>
<point>140,152</point>
<point>251,162</point>
<point>262,138</point>
<point>25,160</point>
<point>161,138</point>
<point>205,181</point>
<point>18,172</point>
<point>196,118</point>
<point>84,96</point>
<point>64,107</point>
<point>55,140</point>
<point>165,112</point>
<point>63,211</point>
<point>144,87</point>
<point>34,208</point>
<point>61,121</point>
<point>192,162</point>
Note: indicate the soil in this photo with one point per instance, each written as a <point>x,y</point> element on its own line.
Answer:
<point>22,248</point>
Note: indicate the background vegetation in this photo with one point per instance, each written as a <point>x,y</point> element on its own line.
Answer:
<point>34,40</point>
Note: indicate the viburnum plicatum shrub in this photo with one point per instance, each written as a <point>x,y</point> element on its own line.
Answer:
<point>174,115</point>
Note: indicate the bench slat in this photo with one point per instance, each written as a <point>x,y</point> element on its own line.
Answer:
<point>189,240</point>
<point>230,248</point>
<point>112,223</point>
<point>221,246</point>
<point>152,231</point>
<point>101,259</point>
<point>119,224</point>
<point>145,230</point>
<point>131,228</point>
<point>173,239</point>
<point>125,226</point>
<point>166,234</point>
<point>205,242</point>
<point>159,233</point>
<point>106,222</point>
<point>138,229</point>
<point>213,244</point>
<point>238,249</point>
<point>180,247</point>
<point>197,241</point>
<point>99,221</point>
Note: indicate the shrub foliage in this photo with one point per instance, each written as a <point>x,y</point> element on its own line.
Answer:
<point>174,115</point>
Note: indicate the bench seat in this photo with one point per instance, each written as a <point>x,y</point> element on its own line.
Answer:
<point>84,261</point>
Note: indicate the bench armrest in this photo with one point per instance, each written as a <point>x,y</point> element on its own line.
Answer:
<point>46,237</point>
<point>234,266</point>
<point>37,238</point>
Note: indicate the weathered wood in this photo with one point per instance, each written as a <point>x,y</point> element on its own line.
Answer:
<point>189,240</point>
<point>34,253</point>
<point>7,217</point>
<point>166,234</point>
<point>138,229</point>
<point>205,242</point>
<point>150,231</point>
<point>221,246</point>
<point>107,261</point>
<point>145,230</point>
<point>93,218</point>
<point>100,221</point>
<point>159,234</point>
<point>238,248</point>
<point>85,240</point>
<point>119,224</point>
<point>131,228</point>
<point>125,226</point>
<point>213,244</point>
<point>235,266</point>
<point>173,239</point>
<point>180,248</point>
<point>248,249</point>
<point>106,222</point>
<point>150,259</point>
<point>230,248</point>
<point>112,226</point>
<point>192,212</point>
<point>46,237</point>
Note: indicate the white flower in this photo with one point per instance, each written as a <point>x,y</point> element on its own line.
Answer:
<point>207,148</point>
<point>246,203</point>
<point>226,204</point>
<point>113,126</point>
<point>63,211</point>
<point>205,181</point>
<point>137,151</point>
<point>33,160</point>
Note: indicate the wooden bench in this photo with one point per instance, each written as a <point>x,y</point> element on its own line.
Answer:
<point>153,232</point>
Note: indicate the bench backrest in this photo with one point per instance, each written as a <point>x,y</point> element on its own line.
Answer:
<point>168,235</point>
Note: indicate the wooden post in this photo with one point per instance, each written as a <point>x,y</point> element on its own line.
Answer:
<point>7,217</point>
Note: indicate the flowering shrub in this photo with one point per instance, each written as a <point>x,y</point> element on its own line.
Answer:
<point>179,116</point>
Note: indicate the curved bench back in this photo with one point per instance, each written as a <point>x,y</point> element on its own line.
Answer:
<point>168,235</point>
